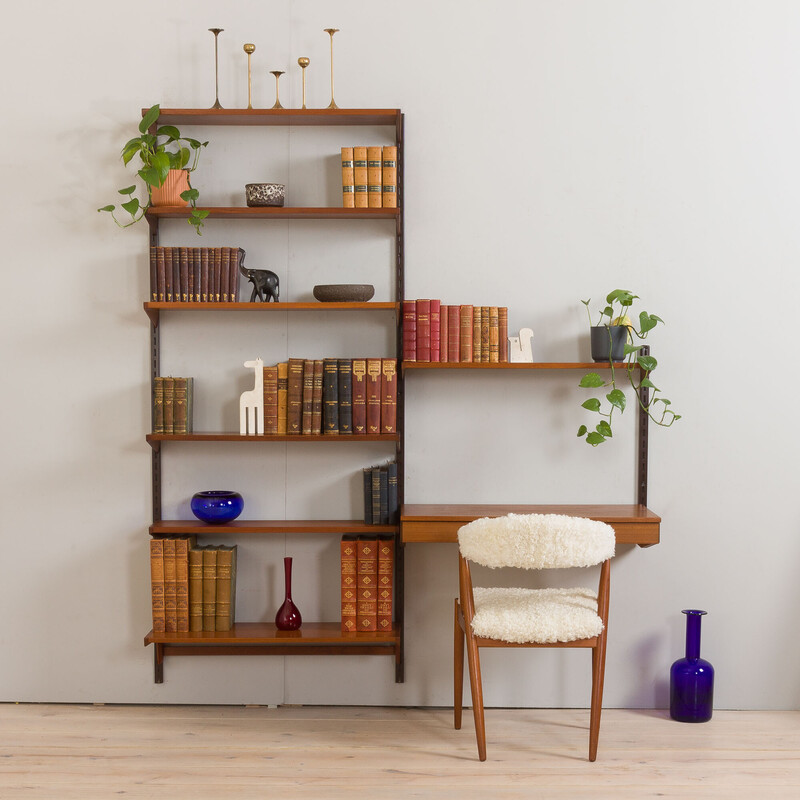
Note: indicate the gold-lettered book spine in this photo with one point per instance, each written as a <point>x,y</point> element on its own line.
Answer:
<point>389,198</point>
<point>360,177</point>
<point>374,177</point>
<point>157,584</point>
<point>348,179</point>
<point>195,589</point>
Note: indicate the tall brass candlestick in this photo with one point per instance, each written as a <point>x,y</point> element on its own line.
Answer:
<point>249,49</point>
<point>304,62</point>
<point>277,73</point>
<point>330,32</point>
<point>216,32</point>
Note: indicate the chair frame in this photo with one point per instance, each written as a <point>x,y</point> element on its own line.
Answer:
<point>465,612</point>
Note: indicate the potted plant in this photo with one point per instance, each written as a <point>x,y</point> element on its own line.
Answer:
<point>637,363</point>
<point>165,158</point>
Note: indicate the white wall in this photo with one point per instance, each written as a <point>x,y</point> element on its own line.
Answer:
<point>555,150</point>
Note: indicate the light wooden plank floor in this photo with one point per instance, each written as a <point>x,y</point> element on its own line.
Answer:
<point>61,752</point>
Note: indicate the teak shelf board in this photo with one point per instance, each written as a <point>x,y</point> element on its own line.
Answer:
<point>271,212</point>
<point>278,116</point>
<point>155,438</point>
<point>546,365</point>
<point>174,527</point>
<point>310,633</point>
<point>633,524</point>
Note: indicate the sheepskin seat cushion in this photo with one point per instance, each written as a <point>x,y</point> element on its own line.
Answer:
<point>536,541</point>
<point>536,615</point>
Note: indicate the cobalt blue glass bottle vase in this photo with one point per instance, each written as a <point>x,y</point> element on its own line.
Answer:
<point>691,679</point>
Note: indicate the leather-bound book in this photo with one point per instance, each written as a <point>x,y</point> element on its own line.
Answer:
<point>435,333</point>
<point>316,398</point>
<point>476,333</point>
<point>359,370</point>
<point>385,582</point>
<point>271,400</point>
<point>168,276</point>
<point>153,273</point>
<point>195,589</point>
<point>423,330</point>
<point>494,340</point>
<point>294,398</point>
<point>389,199</point>
<point>169,404</point>
<point>454,334</point>
<point>389,395</point>
<point>367,595</point>
<point>196,270</point>
<point>225,274</point>
<point>170,587</point>
<point>216,276</point>
<point>183,393</point>
<point>373,395</point>
<point>502,333</point>
<point>233,285</point>
<point>360,177</point>
<point>367,473</point>
<point>206,260</point>
<point>158,405</point>
<point>209,588</point>
<point>330,396</point>
<point>161,274</point>
<point>225,610</point>
<point>183,263</point>
<point>157,584</point>
<point>465,329</point>
<point>485,323</point>
<point>182,583</point>
<point>383,497</point>
<point>283,397</point>
<point>374,177</point>
<point>345,396</point>
<point>375,495</point>
<point>393,505</point>
<point>443,334</point>
<point>308,396</point>
<point>409,330</point>
<point>348,179</point>
<point>349,554</point>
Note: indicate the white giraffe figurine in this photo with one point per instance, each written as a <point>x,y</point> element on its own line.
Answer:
<point>520,348</point>
<point>251,403</point>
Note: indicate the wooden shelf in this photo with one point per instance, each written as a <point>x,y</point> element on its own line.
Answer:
<point>634,524</point>
<point>278,117</point>
<point>156,438</point>
<point>270,212</point>
<point>539,365</point>
<point>180,527</point>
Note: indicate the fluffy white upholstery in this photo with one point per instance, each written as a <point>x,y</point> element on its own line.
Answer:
<point>536,615</point>
<point>536,541</point>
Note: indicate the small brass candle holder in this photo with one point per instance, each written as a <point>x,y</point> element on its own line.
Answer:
<point>249,49</point>
<point>304,62</point>
<point>216,32</point>
<point>277,73</point>
<point>330,32</point>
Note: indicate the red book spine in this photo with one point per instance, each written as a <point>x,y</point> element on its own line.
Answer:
<point>359,395</point>
<point>423,330</point>
<point>349,553</point>
<point>466,333</point>
<point>389,395</point>
<point>385,582</point>
<point>409,330</point>
<point>373,395</point>
<point>443,333</point>
<point>435,316</point>
<point>454,333</point>
<point>367,594</point>
<point>502,333</point>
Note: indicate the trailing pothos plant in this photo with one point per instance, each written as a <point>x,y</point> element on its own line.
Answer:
<point>638,367</point>
<point>158,152</point>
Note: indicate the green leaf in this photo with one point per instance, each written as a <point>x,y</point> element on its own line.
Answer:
<point>151,176</point>
<point>595,438</point>
<point>591,381</point>
<point>199,213</point>
<point>592,404</point>
<point>648,384</point>
<point>604,429</point>
<point>169,130</point>
<point>607,312</point>
<point>646,322</point>
<point>185,154</point>
<point>647,363</point>
<point>582,430</point>
<point>617,398</point>
<point>675,416</point>
<point>161,163</point>
<point>128,190</point>
<point>132,206</point>
<point>107,208</point>
<point>629,348</point>
<point>190,194</point>
<point>149,118</point>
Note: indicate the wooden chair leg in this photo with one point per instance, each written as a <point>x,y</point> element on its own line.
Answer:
<point>474,661</point>
<point>598,673</point>
<point>458,669</point>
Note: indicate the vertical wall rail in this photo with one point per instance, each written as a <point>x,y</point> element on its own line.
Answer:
<point>644,419</point>
<point>155,369</point>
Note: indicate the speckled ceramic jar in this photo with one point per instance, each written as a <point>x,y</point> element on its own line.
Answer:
<point>265,194</point>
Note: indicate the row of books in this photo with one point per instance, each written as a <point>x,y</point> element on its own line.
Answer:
<point>369,177</point>
<point>334,396</point>
<point>436,332</point>
<point>367,583</point>
<point>173,403</point>
<point>195,274</point>
<point>192,588</point>
<point>380,495</point>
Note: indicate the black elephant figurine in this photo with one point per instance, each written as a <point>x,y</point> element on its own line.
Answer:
<point>266,284</point>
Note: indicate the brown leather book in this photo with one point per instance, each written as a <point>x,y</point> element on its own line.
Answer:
<point>389,395</point>
<point>385,582</point>
<point>389,198</point>
<point>454,334</point>
<point>169,404</point>
<point>195,589</point>
<point>502,333</point>
<point>316,399</point>
<point>374,177</point>
<point>216,276</point>
<point>423,330</point>
<point>494,341</point>
<point>345,396</point>
<point>158,405</point>
<point>153,273</point>
<point>443,333</point>
<point>359,395</point>
<point>168,276</point>
<point>308,397</point>
<point>348,179</point>
<point>225,274</point>
<point>409,330</point>
<point>373,395</point>
<point>271,400</point>
<point>465,343</point>
<point>294,397</point>
<point>476,333</point>
<point>367,592</point>
<point>283,397</point>
<point>330,396</point>
<point>209,588</point>
<point>170,587</point>
<point>435,334</point>
<point>183,392</point>
<point>183,261</point>
<point>206,261</point>
<point>349,555</point>
<point>176,274</point>
<point>182,583</point>
<point>233,286</point>
<point>196,262</point>
<point>161,274</point>
<point>485,334</point>
<point>360,177</point>
<point>225,609</point>
<point>157,584</point>
<point>375,495</point>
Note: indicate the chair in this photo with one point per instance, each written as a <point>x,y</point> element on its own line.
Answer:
<point>500,617</point>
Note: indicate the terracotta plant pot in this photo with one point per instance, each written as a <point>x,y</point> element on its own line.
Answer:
<point>169,194</point>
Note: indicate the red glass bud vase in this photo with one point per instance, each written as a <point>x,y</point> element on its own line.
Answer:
<point>288,617</point>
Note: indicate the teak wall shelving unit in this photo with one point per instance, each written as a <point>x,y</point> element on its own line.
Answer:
<point>263,638</point>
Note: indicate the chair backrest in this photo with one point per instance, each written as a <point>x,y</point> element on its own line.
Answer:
<point>536,541</point>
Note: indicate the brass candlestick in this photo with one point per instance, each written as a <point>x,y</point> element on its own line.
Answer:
<point>277,73</point>
<point>249,49</point>
<point>304,62</point>
<point>216,32</point>
<point>330,32</point>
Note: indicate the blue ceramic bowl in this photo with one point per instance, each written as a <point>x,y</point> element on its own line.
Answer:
<point>217,506</point>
